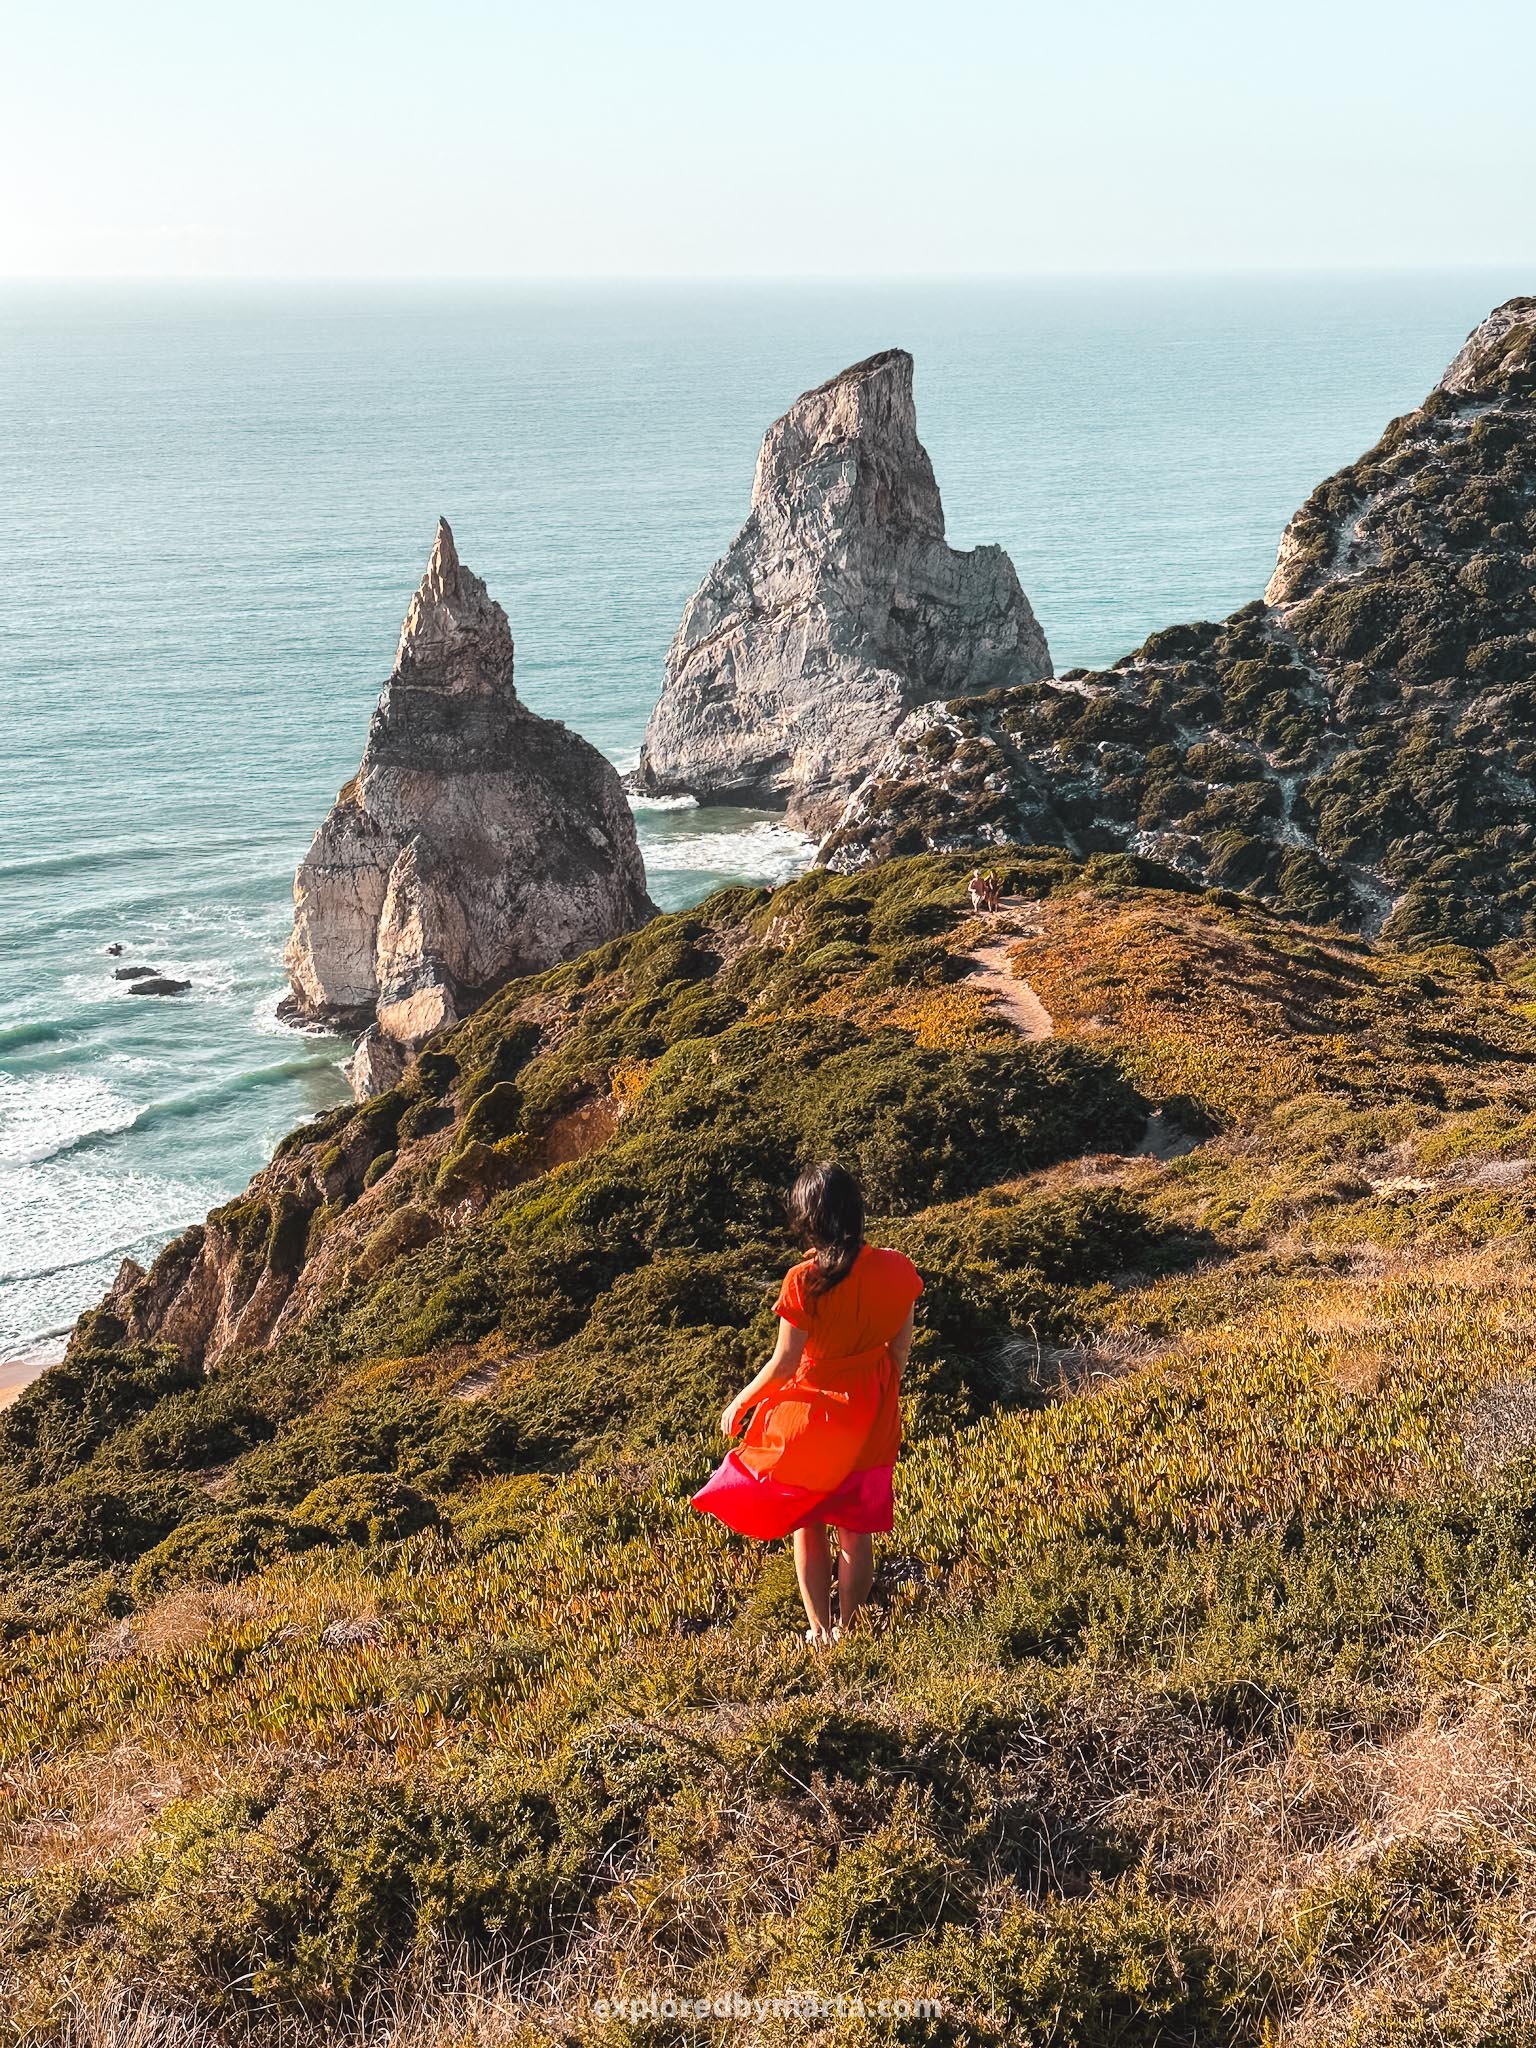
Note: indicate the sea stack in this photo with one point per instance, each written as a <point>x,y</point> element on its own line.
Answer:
<point>837,609</point>
<point>476,842</point>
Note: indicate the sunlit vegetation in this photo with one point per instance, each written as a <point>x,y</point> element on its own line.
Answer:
<point>377,1682</point>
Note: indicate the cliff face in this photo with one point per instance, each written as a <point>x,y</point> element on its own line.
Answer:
<point>1360,745</point>
<point>837,609</point>
<point>476,842</point>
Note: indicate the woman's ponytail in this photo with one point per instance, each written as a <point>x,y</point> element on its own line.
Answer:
<point>826,1209</point>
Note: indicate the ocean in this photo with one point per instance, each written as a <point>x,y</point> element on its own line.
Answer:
<point>216,501</point>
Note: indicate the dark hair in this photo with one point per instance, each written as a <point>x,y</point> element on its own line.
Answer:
<point>826,1209</point>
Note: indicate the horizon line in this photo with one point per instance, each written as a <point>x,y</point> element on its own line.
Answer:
<point>760,279</point>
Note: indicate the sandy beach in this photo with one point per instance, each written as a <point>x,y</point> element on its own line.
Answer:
<point>20,1371</point>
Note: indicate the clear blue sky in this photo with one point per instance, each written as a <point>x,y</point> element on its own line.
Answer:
<point>464,138</point>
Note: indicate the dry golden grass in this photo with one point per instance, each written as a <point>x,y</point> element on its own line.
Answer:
<point>1192,1006</point>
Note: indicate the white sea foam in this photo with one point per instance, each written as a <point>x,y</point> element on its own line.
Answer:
<point>45,1114</point>
<point>271,1025</point>
<point>182,920</point>
<point>64,1227</point>
<point>642,804</point>
<point>768,853</point>
<point>21,1363</point>
<point>126,1062</point>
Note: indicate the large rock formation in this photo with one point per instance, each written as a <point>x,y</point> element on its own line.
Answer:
<point>1359,746</point>
<point>477,841</point>
<point>838,608</point>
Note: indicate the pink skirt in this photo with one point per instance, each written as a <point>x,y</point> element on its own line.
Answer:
<point>766,1508</point>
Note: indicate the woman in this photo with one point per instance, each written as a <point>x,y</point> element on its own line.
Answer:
<point>825,1424</point>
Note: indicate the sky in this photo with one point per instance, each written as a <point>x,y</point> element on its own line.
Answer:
<point>676,139</point>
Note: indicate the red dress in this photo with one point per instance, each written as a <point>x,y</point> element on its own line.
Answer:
<point>821,1444</point>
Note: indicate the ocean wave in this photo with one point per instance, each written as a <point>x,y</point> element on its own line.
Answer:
<point>761,853</point>
<point>198,1102</point>
<point>267,1021</point>
<point>43,1115</point>
<point>44,1031</point>
<point>262,923</point>
<point>47,1116</point>
<point>84,1045</point>
<point>642,804</point>
<point>191,908</point>
<point>116,1253</point>
<point>83,860</point>
<point>66,1218</point>
<point>37,1350</point>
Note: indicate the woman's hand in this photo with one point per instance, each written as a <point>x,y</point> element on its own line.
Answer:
<point>786,1356</point>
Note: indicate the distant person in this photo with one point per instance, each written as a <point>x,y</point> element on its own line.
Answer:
<point>825,1428</point>
<point>986,891</point>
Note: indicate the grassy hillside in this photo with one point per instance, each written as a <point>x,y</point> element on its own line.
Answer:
<point>367,1676</point>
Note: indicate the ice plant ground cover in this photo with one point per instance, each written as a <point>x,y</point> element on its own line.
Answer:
<point>378,1683</point>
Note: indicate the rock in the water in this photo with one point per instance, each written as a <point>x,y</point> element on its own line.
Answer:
<point>133,973</point>
<point>116,947</point>
<point>838,608</point>
<point>159,985</point>
<point>476,842</point>
<point>1359,747</point>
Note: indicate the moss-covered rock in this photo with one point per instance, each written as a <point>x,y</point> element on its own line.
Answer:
<point>1359,748</point>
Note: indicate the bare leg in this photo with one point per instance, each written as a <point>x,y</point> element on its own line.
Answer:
<point>855,1573</point>
<point>813,1568</point>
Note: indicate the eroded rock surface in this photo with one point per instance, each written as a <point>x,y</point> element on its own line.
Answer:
<point>837,609</point>
<point>477,841</point>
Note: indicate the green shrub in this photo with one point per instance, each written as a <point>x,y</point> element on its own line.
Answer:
<point>103,1519</point>
<point>898,1885</point>
<point>499,1511</point>
<point>435,1070</point>
<point>1117,1968</point>
<point>297,1893</point>
<point>378,1168</point>
<point>914,966</point>
<point>773,1608</point>
<point>424,1117</point>
<point>54,1425</point>
<point>217,1548</point>
<point>1412,1890</point>
<point>363,1507</point>
<point>495,1113</point>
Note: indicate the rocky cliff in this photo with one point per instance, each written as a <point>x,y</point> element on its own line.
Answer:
<point>477,841</point>
<point>837,609</point>
<point>1360,745</point>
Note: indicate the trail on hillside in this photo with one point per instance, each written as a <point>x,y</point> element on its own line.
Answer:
<point>1013,996</point>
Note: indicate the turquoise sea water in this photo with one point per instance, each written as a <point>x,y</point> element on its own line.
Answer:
<point>215,504</point>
